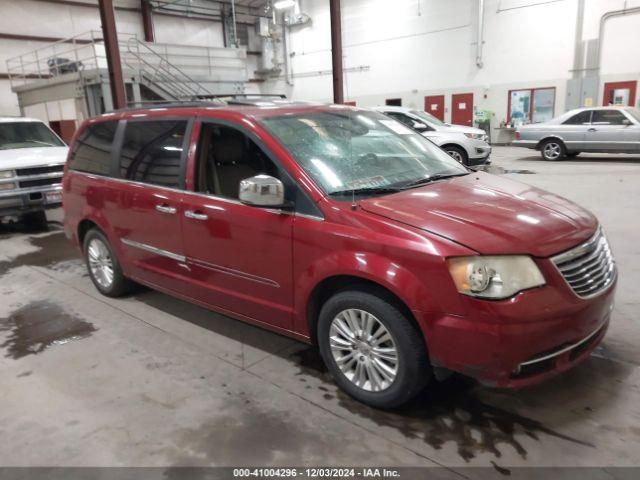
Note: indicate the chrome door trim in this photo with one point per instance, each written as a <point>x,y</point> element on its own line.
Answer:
<point>152,249</point>
<point>235,273</point>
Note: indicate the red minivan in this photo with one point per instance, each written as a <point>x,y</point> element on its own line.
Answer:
<point>340,227</point>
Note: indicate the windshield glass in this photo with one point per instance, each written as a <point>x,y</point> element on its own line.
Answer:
<point>429,118</point>
<point>635,113</point>
<point>346,150</point>
<point>27,135</point>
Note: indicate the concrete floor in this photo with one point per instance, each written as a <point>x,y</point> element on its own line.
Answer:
<point>152,381</point>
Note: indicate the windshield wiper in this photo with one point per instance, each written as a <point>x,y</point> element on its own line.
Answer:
<point>360,191</point>
<point>432,178</point>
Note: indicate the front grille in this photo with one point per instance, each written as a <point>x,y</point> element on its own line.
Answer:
<point>21,172</point>
<point>40,182</point>
<point>588,268</point>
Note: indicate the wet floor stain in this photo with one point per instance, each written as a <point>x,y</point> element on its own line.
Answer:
<point>447,411</point>
<point>270,437</point>
<point>39,325</point>
<point>52,250</point>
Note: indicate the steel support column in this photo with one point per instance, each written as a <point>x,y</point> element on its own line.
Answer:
<point>336,51</point>
<point>114,64</point>
<point>147,21</point>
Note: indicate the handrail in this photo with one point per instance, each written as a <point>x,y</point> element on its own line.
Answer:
<point>165,75</point>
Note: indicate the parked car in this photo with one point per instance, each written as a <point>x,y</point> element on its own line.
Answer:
<point>32,159</point>
<point>467,145</point>
<point>592,130</point>
<point>340,227</point>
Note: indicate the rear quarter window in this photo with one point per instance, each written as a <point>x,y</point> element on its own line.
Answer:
<point>152,152</point>
<point>92,152</point>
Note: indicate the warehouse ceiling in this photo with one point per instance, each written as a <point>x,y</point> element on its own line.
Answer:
<point>212,7</point>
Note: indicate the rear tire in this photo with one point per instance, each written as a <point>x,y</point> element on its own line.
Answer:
<point>457,153</point>
<point>103,266</point>
<point>553,150</point>
<point>374,353</point>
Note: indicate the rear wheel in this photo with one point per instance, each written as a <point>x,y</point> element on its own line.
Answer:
<point>103,266</point>
<point>372,350</point>
<point>552,150</point>
<point>457,153</point>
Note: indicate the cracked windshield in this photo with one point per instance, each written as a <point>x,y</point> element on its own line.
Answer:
<point>357,152</point>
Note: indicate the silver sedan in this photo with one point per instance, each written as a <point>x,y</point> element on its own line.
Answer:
<point>594,130</point>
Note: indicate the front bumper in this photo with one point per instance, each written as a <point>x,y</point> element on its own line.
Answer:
<point>25,200</point>
<point>478,152</point>
<point>523,340</point>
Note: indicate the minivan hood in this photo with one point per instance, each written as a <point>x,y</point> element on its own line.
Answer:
<point>32,157</point>
<point>490,214</point>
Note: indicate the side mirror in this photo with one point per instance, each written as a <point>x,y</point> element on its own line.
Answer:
<point>420,127</point>
<point>627,122</point>
<point>262,191</point>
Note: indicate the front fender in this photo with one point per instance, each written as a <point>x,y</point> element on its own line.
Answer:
<point>372,267</point>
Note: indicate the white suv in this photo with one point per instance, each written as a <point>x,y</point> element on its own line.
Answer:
<point>468,145</point>
<point>32,161</point>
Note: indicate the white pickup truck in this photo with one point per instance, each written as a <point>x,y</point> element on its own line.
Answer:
<point>32,160</point>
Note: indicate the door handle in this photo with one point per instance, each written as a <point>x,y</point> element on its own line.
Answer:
<point>195,215</point>
<point>592,130</point>
<point>164,208</point>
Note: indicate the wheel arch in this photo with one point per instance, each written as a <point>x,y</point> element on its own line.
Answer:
<point>334,284</point>
<point>547,138</point>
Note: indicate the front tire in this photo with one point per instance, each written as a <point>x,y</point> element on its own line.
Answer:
<point>553,150</point>
<point>103,266</point>
<point>374,353</point>
<point>457,153</point>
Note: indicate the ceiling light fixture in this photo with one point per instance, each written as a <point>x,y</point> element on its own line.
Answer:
<point>282,4</point>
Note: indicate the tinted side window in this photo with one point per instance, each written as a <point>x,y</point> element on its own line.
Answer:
<point>608,117</point>
<point>92,153</point>
<point>402,118</point>
<point>152,152</point>
<point>579,118</point>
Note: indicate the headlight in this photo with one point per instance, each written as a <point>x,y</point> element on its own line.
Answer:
<point>7,174</point>
<point>494,277</point>
<point>475,136</point>
<point>7,186</point>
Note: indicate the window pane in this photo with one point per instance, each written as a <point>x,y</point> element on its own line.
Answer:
<point>228,156</point>
<point>93,151</point>
<point>401,118</point>
<point>520,106</point>
<point>579,118</point>
<point>543,100</point>
<point>607,117</point>
<point>152,152</point>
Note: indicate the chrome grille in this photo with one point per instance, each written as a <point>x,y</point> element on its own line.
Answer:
<point>588,268</point>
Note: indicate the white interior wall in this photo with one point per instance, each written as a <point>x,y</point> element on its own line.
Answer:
<point>413,48</point>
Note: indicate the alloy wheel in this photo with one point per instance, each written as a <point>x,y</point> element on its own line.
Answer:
<point>364,350</point>
<point>100,263</point>
<point>455,155</point>
<point>552,150</point>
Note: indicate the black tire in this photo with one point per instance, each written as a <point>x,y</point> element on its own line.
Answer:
<point>572,154</point>
<point>120,285</point>
<point>553,150</point>
<point>457,154</point>
<point>36,220</point>
<point>413,368</point>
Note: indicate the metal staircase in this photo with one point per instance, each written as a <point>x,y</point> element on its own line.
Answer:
<point>76,68</point>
